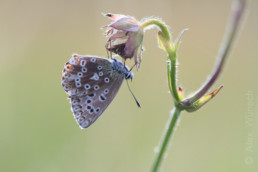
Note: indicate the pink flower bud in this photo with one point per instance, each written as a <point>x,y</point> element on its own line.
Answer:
<point>125,37</point>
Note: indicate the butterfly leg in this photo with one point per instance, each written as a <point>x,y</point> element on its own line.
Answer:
<point>107,54</point>
<point>108,48</point>
<point>124,62</point>
<point>132,67</point>
<point>109,41</point>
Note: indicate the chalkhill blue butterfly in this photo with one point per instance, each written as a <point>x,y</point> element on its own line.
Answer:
<point>92,83</point>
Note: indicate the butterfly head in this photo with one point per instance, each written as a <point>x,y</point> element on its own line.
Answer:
<point>122,69</point>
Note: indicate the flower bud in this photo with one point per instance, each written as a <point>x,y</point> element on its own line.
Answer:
<point>125,37</point>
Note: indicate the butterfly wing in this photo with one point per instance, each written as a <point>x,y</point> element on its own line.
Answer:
<point>91,84</point>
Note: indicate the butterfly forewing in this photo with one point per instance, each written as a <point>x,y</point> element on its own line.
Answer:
<point>91,84</point>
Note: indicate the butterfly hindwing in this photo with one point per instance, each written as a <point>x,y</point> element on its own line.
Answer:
<point>91,84</point>
<point>88,108</point>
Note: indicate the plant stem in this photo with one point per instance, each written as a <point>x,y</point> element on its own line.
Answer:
<point>169,130</point>
<point>230,34</point>
<point>171,56</point>
<point>172,79</point>
<point>232,27</point>
<point>163,27</point>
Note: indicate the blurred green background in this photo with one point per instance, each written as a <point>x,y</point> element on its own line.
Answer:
<point>37,129</point>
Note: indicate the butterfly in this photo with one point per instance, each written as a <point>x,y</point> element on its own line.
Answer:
<point>92,83</point>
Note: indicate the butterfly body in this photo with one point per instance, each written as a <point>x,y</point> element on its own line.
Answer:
<point>92,83</point>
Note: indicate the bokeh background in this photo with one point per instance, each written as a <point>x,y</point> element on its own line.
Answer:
<point>37,129</point>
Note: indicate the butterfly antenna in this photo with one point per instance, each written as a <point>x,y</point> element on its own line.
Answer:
<point>138,104</point>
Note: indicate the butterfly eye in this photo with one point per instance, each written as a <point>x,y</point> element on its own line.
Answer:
<point>129,75</point>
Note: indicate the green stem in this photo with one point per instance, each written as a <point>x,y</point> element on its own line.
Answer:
<point>163,27</point>
<point>175,114</point>
<point>171,57</point>
<point>172,79</point>
<point>170,128</point>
